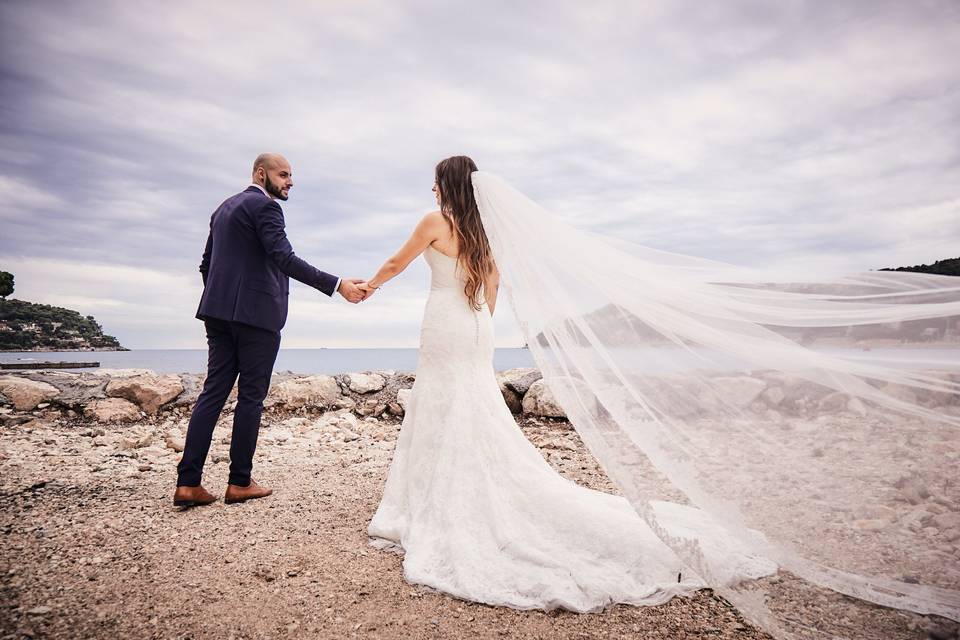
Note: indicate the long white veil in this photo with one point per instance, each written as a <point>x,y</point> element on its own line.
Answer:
<point>821,413</point>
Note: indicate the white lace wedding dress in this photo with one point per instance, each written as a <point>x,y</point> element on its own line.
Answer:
<point>478,512</point>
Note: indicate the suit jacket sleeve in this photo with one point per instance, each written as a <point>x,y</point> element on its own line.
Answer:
<point>270,229</point>
<point>205,260</point>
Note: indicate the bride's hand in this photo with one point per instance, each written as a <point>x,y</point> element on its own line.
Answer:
<point>366,289</point>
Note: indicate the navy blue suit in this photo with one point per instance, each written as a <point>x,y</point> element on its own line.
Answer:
<point>246,268</point>
<point>247,261</point>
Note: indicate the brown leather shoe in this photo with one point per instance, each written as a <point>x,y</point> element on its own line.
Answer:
<point>236,493</point>
<point>192,496</point>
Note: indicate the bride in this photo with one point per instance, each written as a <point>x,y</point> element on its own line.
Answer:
<point>747,393</point>
<point>475,508</point>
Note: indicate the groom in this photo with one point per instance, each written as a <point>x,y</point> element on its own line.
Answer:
<point>246,268</point>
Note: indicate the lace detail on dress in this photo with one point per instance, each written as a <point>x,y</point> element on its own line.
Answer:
<point>479,513</point>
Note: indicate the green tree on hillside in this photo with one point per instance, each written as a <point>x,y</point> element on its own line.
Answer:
<point>948,267</point>
<point>6,284</point>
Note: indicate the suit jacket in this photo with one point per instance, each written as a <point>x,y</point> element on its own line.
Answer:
<point>248,262</point>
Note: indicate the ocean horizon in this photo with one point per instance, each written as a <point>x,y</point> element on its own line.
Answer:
<point>347,360</point>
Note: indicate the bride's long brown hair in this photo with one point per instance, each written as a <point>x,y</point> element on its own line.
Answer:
<point>459,209</point>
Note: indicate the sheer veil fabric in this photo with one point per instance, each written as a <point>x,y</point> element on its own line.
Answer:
<point>822,412</point>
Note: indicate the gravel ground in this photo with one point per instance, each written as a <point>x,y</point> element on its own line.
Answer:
<point>93,548</point>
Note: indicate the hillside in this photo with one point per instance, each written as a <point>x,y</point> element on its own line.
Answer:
<point>26,326</point>
<point>948,267</point>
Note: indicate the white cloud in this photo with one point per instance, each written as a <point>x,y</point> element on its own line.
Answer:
<point>761,133</point>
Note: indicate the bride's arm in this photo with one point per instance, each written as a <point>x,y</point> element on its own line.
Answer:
<point>490,289</point>
<point>428,230</point>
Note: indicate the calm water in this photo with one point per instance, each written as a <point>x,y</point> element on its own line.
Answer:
<point>295,360</point>
<point>645,359</point>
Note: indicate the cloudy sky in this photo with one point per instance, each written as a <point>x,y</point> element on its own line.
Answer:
<point>760,133</point>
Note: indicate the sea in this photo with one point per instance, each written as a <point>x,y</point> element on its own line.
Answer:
<point>333,361</point>
<point>302,361</point>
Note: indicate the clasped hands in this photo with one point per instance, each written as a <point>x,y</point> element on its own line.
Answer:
<point>355,290</point>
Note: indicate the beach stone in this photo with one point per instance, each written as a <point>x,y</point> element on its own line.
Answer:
<point>278,435</point>
<point>309,391</point>
<point>869,524</point>
<point>912,489</point>
<point>855,405</point>
<point>513,399</point>
<point>126,444</point>
<point>403,397</point>
<point>192,385</point>
<point>371,407</point>
<point>951,535</point>
<point>365,382</point>
<point>149,391</point>
<point>949,520</point>
<point>900,392</point>
<point>740,391</point>
<point>123,373</point>
<point>26,394</point>
<point>519,380</point>
<point>174,439</point>
<point>347,421</point>
<point>344,402</point>
<point>81,391</point>
<point>773,396</point>
<point>800,396</point>
<point>112,410</point>
<point>540,401</point>
<point>875,512</point>
<point>833,402</point>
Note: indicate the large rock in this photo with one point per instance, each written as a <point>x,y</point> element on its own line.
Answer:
<point>123,373</point>
<point>513,399</point>
<point>82,390</point>
<point>519,380</point>
<point>174,439</point>
<point>310,391</point>
<point>834,402</point>
<point>192,385</point>
<point>364,382</point>
<point>26,394</point>
<point>540,401</point>
<point>740,391</point>
<point>150,391</point>
<point>900,392</point>
<point>949,520</point>
<point>773,396</point>
<point>112,410</point>
<point>371,407</point>
<point>800,395</point>
<point>403,397</point>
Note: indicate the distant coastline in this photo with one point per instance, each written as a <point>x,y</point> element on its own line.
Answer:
<point>30,326</point>
<point>55,350</point>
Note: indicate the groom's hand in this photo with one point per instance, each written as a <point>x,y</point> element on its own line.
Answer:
<point>350,291</point>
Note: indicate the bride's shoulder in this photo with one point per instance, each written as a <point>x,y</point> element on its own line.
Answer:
<point>431,225</point>
<point>433,220</point>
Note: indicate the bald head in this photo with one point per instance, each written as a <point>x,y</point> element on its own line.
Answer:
<point>272,172</point>
<point>268,160</point>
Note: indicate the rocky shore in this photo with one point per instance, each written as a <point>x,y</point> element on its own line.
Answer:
<point>92,546</point>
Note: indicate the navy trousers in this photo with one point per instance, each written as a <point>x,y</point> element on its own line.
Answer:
<point>234,349</point>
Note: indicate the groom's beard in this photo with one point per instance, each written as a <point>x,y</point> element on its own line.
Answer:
<point>273,189</point>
